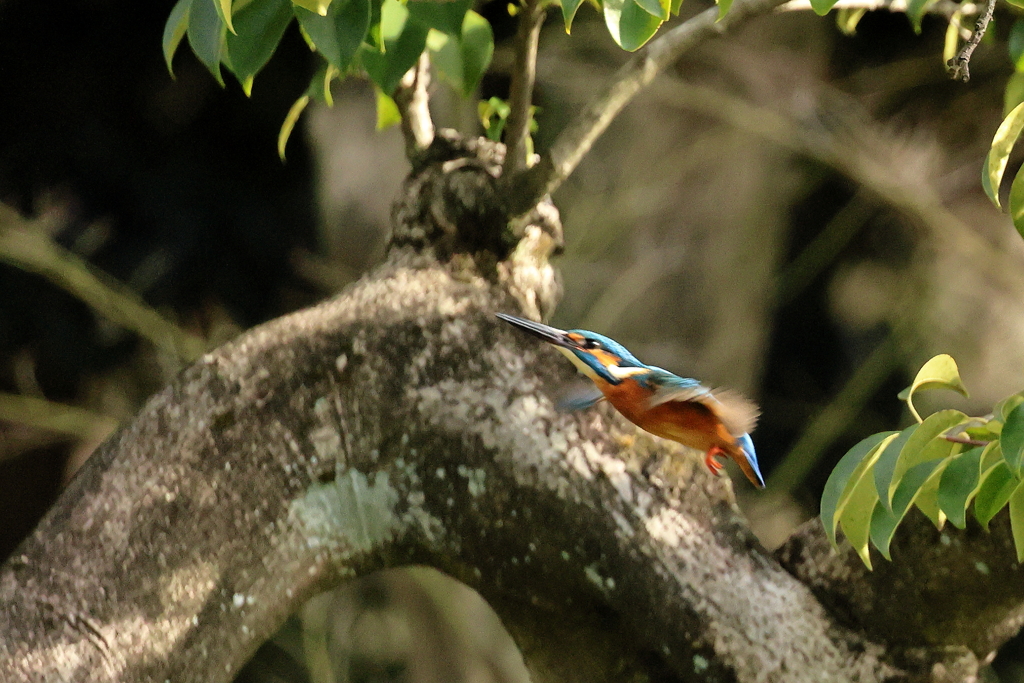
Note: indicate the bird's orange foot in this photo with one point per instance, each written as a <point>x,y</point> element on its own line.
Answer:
<point>710,459</point>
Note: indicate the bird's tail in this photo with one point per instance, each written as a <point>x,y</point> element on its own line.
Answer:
<point>747,460</point>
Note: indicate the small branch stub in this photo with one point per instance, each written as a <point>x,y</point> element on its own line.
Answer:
<point>414,105</point>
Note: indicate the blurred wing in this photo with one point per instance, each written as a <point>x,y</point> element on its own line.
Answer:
<point>738,413</point>
<point>579,398</point>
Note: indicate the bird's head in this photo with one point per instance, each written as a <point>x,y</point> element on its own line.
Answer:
<point>595,355</point>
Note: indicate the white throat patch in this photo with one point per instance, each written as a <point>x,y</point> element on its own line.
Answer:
<point>619,372</point>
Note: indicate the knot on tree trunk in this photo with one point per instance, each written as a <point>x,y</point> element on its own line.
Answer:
<point>449,201</point>
<point>452,209</point>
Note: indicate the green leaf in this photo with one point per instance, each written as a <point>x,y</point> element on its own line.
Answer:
<point>658,8</point>
<point>886,462</point>
<point>493,115</point>
<point>259,27</point>
<point>1002,144</point>
<point>338,35</point>
<point>446,16</point>
<point>674,7</point>
<point>223,8</point>
<point>927,498</point>
<point>959,485</point>
<point>952,38</point>
<point>387,110</point>
<point>289,124</point>
<point>387,69</point>
<point>1011,439</point>
<point>990,457</point>
<point>319,89</point>
<point>884,522</point>
<point>629,25</point>
<point>915,12</point>
<point>822,7</point>
<point>996,488</point>
<point>926,443</point>
<point>1013,94</point>
<point>174,31</point>
<point>375,36</point>
<point>1015,44</point>
<point>393,16</point>
<point>938,373</point>
<point>856,511</point>
<point>569,8</point>
<point>1017,202</point>
<point>477,46</point>
<point>1017,520</point>
<point>854,463</point>
<point>1006,406</point>
<point>723,7</point>
<point>462,60</point>
<point>315,6</point>
<point>986,181</point>
<point>848,18</point>
<point>206,35</point>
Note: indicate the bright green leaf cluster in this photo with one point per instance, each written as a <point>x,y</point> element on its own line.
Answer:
<point>381,38</point>
<point>939,465</point>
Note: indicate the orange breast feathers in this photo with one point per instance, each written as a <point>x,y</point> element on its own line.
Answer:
<point>687,422</point>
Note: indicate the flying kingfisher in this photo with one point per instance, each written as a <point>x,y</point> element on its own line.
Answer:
<point>666,405</point>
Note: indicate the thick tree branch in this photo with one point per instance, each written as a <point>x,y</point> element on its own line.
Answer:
<point>969,618</point>
<point>526,188</point>
<point>397,424</point>
<point>524,75</point>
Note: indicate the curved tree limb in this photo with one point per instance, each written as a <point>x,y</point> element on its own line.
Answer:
<point>397,424</point>
<point>400,424</point>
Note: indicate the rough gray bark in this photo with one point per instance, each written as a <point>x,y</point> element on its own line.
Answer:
<point>401,424</point>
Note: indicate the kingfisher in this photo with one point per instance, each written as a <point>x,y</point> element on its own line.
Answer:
<point>666,405</point>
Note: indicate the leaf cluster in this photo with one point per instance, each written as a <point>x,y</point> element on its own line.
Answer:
<point>378,39</point>
<point>941,465</point>
<point>381,39</point>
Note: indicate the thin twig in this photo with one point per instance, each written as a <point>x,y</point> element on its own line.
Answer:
<point>965,440</point>
<point>54,417</point>
<point>414,105</point>
<point>524,75</point>
<point>959,66</point>
<point>526,188</point>
<point>946,8</point>
<point>26,247</point>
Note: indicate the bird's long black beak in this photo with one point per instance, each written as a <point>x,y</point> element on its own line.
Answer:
<point>551,335</point>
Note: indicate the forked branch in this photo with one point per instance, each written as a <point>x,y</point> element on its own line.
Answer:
<point>526,188</point>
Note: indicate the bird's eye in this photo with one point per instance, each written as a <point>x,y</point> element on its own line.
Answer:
<point>591,344</point>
